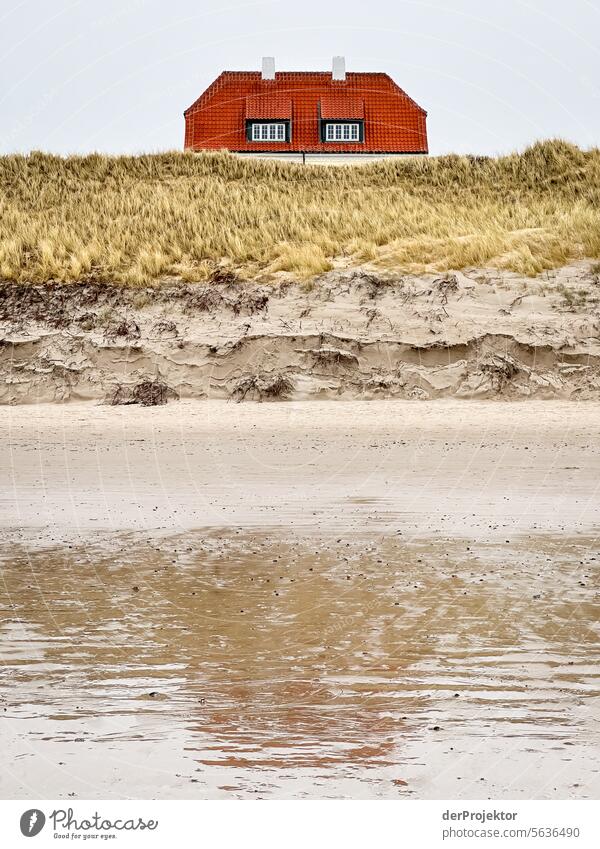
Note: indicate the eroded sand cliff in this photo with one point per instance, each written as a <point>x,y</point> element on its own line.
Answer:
<point>348,334</point>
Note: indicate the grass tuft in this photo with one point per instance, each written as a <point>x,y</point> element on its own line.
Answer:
<point>138,220</point>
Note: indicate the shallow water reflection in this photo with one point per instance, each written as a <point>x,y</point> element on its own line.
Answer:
<point>239,664</point>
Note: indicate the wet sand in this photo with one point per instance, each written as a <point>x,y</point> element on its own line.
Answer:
<point>312,600</point>
<point>217,666</point>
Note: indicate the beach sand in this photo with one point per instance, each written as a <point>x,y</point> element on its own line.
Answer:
<point>300,600</point>
<point>442,467</point>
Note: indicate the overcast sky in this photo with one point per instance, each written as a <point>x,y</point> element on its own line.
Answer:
<point>116,75</point>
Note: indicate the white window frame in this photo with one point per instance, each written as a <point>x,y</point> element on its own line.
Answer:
<point>274,132</point>
<point>341,133</point>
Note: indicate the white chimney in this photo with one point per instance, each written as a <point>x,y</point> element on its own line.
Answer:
<point>268,68</point>
<point>339,68</point>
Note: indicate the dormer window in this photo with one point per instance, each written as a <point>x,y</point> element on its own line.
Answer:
<point>268,120</point>
<point>342,132</point>
<point>263,132</point>
<point>341,119</point>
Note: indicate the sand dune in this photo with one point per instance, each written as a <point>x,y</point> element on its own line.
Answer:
<point>349,334</point>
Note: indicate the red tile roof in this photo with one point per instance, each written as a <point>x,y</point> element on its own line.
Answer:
<point>339,106</point>
<point>393,122</point>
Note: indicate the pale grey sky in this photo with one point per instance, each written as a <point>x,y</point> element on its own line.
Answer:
<point>115,76</point>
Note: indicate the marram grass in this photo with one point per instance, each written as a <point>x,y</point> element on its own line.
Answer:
<point>141,219</point>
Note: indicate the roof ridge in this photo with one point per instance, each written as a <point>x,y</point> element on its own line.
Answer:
<point>325,73</point>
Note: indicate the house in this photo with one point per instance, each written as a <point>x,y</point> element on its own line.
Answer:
<point>295,114</point>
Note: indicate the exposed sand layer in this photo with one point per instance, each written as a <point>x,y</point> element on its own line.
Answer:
<point>349,334</point>
<point>448,467</point>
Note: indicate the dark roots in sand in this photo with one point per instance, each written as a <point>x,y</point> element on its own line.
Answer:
<point>261,387</point>
<point>148,393</point>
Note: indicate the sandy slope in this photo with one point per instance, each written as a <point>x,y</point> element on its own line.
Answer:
<point>404,592</point>
<point>350,334</point>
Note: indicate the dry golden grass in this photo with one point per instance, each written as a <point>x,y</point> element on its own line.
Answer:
<point>135,220</point>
